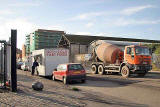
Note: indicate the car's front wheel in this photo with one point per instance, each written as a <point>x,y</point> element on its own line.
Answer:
<point>53,78</point>
<point>65,81</point>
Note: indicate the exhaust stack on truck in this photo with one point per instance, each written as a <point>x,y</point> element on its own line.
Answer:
<point>107,57</point>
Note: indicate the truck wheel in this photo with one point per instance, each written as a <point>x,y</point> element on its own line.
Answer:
<point>65,80</point>
<point>94,69</point>
<point>125,71</point>
<point>101,69</point>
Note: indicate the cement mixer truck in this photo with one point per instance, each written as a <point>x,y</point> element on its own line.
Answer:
<point>109,58</point>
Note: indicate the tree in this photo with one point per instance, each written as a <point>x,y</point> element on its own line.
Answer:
<point>157,51</point>
<point>154,47</point>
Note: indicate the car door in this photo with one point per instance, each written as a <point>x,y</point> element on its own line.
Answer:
<point>57,72</point>
<point>63,71</point>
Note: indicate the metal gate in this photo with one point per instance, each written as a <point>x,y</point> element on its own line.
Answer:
<point>156,60</point>
<point>3,60</point>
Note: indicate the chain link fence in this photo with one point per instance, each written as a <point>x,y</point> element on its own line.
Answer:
<point>156,60</point>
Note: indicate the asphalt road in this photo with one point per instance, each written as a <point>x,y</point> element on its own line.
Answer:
<point>133,92</point>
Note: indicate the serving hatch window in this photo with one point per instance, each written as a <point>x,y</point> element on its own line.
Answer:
<point>38,58</point>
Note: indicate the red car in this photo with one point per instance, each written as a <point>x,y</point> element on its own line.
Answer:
<point>69,72</point>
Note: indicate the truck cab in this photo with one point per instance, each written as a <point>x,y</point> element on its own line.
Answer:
<point>137,59</point>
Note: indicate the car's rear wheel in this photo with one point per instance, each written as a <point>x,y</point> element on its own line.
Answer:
<point>83,80</point>
<point>65,81</point>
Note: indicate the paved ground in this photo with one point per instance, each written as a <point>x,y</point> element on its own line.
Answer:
<point>98,91</point>
<point>143,91</point>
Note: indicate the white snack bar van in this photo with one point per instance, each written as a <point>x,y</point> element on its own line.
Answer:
<point>48,59</point>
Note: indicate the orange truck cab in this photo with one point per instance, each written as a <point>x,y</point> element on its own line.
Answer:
<point>137,59</point>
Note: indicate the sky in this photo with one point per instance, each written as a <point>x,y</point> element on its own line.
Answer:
<point>114,18</point>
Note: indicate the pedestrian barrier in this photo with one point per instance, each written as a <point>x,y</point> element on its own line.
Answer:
<point>8,62</point>
<point>156,60</point>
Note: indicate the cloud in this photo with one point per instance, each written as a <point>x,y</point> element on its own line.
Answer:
<point>54,27</point>
<point>90,24</point>
<point>23,27</point>
<point>133,10</point>
<point>26,4</point>
<point>126,22</point>
<point>105,34</point>
<point>127,11</point>
<point>85,16</point>
<point>83,33</point>
<point>100,34</point>
<point>6,12</point>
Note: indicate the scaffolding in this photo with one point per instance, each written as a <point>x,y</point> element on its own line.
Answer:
<point>41,39</point>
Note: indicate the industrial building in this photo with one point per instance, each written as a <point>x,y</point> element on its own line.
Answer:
<point>41,39</point>
<point>77,44</point>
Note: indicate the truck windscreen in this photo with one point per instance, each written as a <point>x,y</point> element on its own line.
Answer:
<point>142,51</point>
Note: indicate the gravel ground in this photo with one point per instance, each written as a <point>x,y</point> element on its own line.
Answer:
<point>54,94</point>
<point>98,91</point>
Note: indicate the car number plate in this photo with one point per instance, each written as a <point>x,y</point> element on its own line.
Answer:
<point>77,72</point>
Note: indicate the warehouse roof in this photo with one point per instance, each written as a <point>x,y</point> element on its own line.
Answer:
<point>44,30</point>
<point>86,39</point>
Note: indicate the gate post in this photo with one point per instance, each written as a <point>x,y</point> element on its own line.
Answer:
<point>4,62</point>
<point>13,60</point>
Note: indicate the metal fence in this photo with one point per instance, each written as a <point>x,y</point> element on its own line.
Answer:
<point>156,60</point>
<point>3,64</point>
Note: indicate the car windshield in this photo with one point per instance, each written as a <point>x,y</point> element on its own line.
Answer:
<point>142,51</point>
<point>76,67</point>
